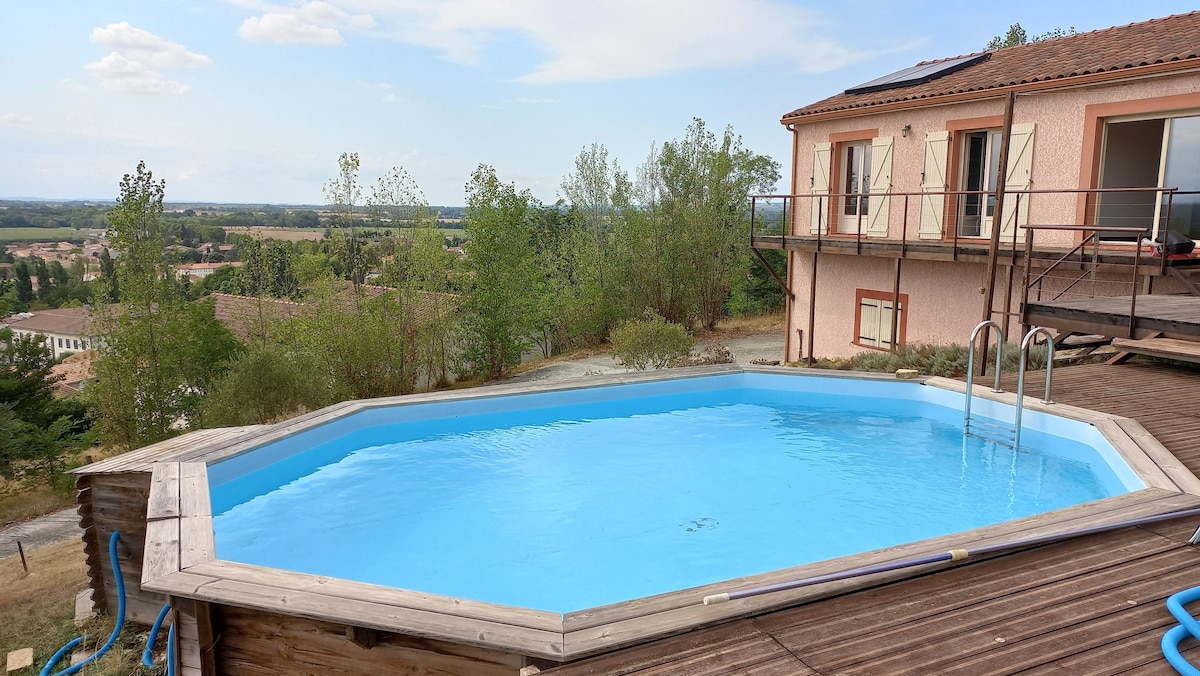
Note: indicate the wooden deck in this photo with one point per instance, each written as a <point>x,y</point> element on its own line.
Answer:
<point>1172,316</point>
<point>1093,605</point>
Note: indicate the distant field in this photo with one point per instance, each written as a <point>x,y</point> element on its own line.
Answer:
<point>285,234</point>
<point>297,234</point>
<point>40,234</point>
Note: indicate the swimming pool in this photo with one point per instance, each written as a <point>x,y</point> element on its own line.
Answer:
<point>579,499</point>
<point>187,557</point>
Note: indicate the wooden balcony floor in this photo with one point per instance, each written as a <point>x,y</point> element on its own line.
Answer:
<point>1174,316</point>
<point>1093,605</point>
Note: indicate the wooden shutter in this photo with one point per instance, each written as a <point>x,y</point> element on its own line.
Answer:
<point>881,184</point>
<point>933,180</point>
<point>819,210</point>
<point>868,321</point>
<point>1018,176</point>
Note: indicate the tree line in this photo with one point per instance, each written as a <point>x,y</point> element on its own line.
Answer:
<point>352,317</point>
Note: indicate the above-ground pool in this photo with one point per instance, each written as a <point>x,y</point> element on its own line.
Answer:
<point>575,499</point>
<point>554,522</point>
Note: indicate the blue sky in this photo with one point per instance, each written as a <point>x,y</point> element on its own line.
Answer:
<point>252,101</point>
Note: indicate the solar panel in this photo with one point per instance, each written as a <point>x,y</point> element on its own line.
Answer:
<point>919,74</point>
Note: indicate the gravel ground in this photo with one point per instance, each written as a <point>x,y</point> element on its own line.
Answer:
<point>745,349</point>
<point>44,530</point>
<point>64,525</point>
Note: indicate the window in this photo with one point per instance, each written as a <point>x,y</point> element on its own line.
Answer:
<point>856,184</point>
<point>873,321</point>
<point>76,343</point>
<point>1151,153</point>
<point>60,342</point>
<point>980,172</point>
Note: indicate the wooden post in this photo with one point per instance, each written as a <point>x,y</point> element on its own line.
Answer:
<point>990,289</point>
<point>21,551</point>
<point>208,639</point>
<point>812,309</point>
<point>896,309</point>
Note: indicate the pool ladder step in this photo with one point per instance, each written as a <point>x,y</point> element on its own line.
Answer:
<point>985,429</point>
<point>988,430</point>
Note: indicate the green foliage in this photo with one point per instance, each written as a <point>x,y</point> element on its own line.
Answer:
<point>266,383</point>
<point>37,431</point>
<point>1016,35</point>
<point>941,360</point>
<point>757,293</point>
<point>505,282</point>
<point>687,242</point>
<point>159,354</point>
<point>650,342</point>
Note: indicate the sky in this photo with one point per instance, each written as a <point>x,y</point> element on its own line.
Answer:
<point>250,101</point>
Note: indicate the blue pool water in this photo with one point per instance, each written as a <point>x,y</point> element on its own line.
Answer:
<point>563,501</point>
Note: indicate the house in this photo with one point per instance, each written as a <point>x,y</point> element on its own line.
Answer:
<point>65,329</point>
<point>912,215</point>
<point>194,271</point>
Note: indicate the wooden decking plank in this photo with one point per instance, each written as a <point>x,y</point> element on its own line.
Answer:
<point>637,659</point>
<point>1110,657</point>
<point>744,658</point>
<point>817,647</point>
<point>871,611</point>
<point>164,492</point>
<point>161,555</point>
<point>975,633</point>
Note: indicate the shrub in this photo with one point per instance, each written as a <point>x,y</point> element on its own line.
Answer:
<point>650,342</point>
<point>941,360</point>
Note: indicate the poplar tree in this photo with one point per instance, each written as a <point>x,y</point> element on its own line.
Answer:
<point>158,353</point>
<point>504,281</point>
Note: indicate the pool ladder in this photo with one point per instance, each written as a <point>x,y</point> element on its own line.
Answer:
<point>993,431</point>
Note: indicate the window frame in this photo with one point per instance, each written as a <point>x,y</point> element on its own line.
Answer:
<point>883,297</point>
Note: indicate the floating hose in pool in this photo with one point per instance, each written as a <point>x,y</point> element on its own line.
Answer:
<point>112,556</point>
<point>952,555</point>
<point>147,656</point>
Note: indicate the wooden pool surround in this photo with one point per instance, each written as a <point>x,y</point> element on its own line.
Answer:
<point>180,559</point>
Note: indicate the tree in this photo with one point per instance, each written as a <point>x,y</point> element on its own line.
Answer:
<point>1016,35</point>
<point>343,193</point>
<point>599,196</point>
<point>37,431</point>
<point>159,353</point>
<point>500,308</point>
<point>108,278</point>
<point>24,282</point>
<point>688,241</point>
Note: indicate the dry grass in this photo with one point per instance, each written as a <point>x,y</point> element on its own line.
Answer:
<point>30,503</point>
<point>737,327</point>
<point>38,609</point>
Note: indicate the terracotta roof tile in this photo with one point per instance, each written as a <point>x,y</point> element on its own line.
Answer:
<point>1170,39</point>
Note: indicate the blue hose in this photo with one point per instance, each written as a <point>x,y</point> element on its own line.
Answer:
<point>147,656</point>
<point>171,651</point>
<point>1188,626</point>
<point>112,556</point>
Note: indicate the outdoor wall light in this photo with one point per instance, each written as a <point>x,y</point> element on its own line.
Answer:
<point>905,129</point>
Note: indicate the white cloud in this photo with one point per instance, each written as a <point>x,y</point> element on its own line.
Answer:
<point>14,119</point>
<point>523,99</point>
<point>145,47</point>
<point>130,67</point>
<point>69,85</point>
<point>315,23</point>
<point>588,41</point>
<point>120,74</point>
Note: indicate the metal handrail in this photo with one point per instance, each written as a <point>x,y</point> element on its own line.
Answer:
<point>971,367</point>
<point>1021,376</point>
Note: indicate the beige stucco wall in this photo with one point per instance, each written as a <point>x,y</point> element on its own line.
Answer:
<point>945,299</point>
<point>945,302</point>
<point>1058,146</point>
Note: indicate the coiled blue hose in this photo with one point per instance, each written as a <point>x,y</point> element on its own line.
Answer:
<point>1188,626</point>
<point>74,668</point>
